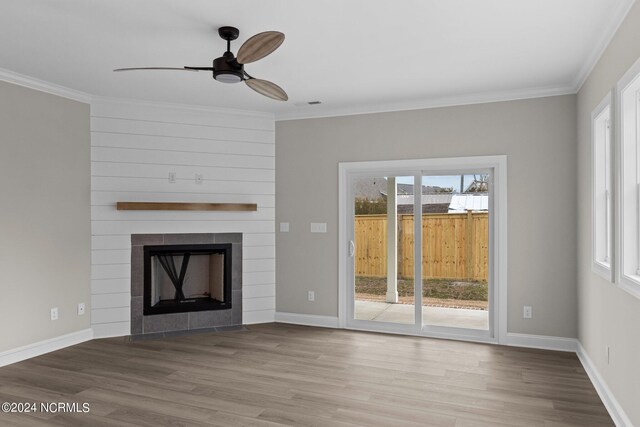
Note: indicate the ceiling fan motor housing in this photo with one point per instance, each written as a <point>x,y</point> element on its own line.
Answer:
<point>227,70</point>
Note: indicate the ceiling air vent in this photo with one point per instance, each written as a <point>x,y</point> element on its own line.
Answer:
<point>306,104</point>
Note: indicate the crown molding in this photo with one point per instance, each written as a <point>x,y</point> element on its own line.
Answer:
<point>42,86</point>
<point>309,112</point>
<point>447,101</point>
<point>189,107</point>
<point>76,95</point>
<point>601,45</point>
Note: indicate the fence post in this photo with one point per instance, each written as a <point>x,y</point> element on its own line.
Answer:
<point>469,248</point>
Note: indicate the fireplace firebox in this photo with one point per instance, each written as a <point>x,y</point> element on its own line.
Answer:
<point>185,278</point>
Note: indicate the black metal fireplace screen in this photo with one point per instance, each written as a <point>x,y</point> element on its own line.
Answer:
<point>182,278</point>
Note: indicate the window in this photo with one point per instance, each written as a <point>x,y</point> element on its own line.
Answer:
<point>629,134</point>
<point>601,188</point>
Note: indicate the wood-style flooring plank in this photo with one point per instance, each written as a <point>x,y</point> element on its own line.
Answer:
<point>286,375</point>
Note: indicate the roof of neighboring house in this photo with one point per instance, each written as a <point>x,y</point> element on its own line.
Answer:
<point>373,188</point>
<point>469,202</point>
<point>451,203</point>
<point>427,199</point>
<point>431,203</point>
<point>426,209</point>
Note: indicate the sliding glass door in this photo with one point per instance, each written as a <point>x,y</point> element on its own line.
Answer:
<point>383,246</point>
<point>455,250</point>
<point>443,219</point>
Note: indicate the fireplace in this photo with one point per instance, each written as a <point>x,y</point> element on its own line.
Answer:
<point>206,296</point>
<point>185,278</point>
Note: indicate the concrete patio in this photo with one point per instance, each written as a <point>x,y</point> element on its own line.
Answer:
<point>436,316</point>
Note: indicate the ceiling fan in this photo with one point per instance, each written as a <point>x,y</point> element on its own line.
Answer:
<point>230,69</point>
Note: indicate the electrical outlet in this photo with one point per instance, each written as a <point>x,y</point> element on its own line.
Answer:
<point>80,309</point>
<point>284,227</point>
<point>311,296</point>
<point>527,312</point>
<point>54,313</point>
<point>198,178</point>
<point>318,227</point>
<point>172,177</point>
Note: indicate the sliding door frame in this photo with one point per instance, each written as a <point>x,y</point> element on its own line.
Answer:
<point>497,242</point>
<point>373,325</point>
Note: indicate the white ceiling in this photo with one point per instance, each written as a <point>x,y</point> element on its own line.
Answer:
<point>355,55</point>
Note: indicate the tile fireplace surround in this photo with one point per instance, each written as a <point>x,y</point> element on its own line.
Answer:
<point>160,325</point>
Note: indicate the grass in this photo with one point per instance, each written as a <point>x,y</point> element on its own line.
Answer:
<point>445,289</point>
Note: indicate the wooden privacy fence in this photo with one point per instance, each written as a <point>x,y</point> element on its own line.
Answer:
<point>454,246</point>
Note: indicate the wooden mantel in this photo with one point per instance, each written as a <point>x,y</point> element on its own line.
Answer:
<point>174,206</point>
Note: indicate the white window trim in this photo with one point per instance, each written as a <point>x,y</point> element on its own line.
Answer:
<point>603,269</point>
<point>629,283</point>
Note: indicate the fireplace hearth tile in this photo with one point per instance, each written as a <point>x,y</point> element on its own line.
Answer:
<point>137,271</point>
<point>146,239</point>
<point>231,328</point>
<point>228,238</point>
<point>236,266</point>
<point>136,315</point>
<point>188,239</point>
<point>211,330</point>
<point>141,337</point>
<point>188,332</point>
<point>236,316</point>
<point>206,319</point>
<point>165,322</point>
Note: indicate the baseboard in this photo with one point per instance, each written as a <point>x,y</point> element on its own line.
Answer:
<point>616,412</point>
<point>513,339</point>
<point>259,316</point>
<point>109,330</point>
<point>36,349</point>
<point>307,319</point>
<point>543,342</point>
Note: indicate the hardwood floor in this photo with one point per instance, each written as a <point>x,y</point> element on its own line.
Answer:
<point>276,374</point>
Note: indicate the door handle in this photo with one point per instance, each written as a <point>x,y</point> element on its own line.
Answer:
<point>352,248</point>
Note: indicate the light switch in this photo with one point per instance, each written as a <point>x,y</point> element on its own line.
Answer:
<point>284,227</point>
<point>318,227</point>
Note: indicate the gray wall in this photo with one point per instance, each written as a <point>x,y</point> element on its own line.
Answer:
<point>607,314</point>
<point>537,135</point>
<point>45,216</point>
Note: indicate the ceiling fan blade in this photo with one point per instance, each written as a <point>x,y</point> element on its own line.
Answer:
<point>156,68</point>
<point>268,89</point>
<point>259,46</point>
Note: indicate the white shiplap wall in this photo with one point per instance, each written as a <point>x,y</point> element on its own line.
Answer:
<point>134,146</point>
